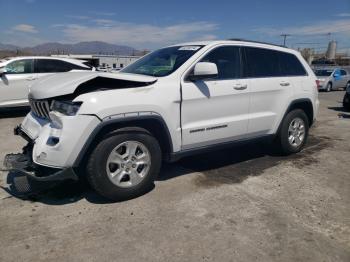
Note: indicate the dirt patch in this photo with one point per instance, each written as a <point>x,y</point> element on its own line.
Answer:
<point>237,164</point>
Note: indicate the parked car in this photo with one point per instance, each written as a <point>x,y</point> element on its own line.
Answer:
<point>103,68</point>
<point>346,99</point>
<point>332,78</point>
<point>17,74</point>
<point>184,99</point>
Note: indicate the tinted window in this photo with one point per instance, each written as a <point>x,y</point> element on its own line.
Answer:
<point>24,66</point>
<point>261,62</point>
<point>343,72</point>
<point>290,65</point>
<point>227,60</point>
<point>323,72</point>
<point>52,66</point>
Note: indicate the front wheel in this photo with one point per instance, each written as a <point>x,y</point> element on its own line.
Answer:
<point>124,165</point>
<point>293,132</point>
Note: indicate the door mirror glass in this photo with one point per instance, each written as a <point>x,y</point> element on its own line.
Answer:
<point>336,74</point>
<point>204,70</point>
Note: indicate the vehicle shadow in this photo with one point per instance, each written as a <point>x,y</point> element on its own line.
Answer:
<point>14,112</point>
<point>229,166</point>
<point>337,108</point>
<point>343,113</point>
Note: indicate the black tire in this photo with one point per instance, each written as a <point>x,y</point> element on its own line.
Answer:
<point>347,85</point>
<point>97,173</point>
<point>282,141</point>
<point>346,104</point>
<point>329,87</point>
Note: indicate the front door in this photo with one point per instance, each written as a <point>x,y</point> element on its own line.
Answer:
<point>15,83</point>
<point>216,110</point>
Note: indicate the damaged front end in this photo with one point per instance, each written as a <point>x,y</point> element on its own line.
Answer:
<point>57,128</point>
<point>28,178</point>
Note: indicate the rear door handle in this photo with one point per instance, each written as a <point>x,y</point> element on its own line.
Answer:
<point>284,83</point>
<point>240,86</point>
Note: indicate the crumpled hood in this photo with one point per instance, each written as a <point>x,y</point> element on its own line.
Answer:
<point>67,83</point>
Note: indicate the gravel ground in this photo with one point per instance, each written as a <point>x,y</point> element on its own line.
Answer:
<point>240,204</point>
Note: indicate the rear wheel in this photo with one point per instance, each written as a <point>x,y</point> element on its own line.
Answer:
<point>124,166</point>
<point>293,132</point>
<point>346,102</point>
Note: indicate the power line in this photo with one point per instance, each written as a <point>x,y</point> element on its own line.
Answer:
<point>284,38</point>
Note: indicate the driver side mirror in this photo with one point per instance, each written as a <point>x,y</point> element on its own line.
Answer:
<point>2,71</point>
<point>204,70</point>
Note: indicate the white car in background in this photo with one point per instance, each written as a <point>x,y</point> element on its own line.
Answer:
<point>17,74</point>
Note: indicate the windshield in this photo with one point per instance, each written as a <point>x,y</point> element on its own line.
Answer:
<point>323,72</point>
<point>162,62</point>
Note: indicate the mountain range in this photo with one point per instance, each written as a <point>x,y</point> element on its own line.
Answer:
<point>94,47</point>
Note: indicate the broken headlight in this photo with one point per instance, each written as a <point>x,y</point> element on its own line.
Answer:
<point>67,108</point>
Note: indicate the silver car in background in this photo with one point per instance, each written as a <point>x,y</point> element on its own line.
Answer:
<point>332,78</point>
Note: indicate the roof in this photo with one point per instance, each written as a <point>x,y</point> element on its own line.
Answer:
<point>69,60</point>
<point>238,41</point>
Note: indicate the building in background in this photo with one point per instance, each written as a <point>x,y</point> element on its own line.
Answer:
<point>330,57</point>
<point>110,62</point>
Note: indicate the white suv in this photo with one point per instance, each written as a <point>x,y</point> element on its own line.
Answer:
<point>17,74</point>
<point>117,128</point>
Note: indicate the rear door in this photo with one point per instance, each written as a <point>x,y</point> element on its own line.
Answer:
<point>14,85</point>
<point>270,75</point>
<point>216,110</point>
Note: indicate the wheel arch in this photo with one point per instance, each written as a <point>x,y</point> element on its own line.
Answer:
<point>151,123</point>
<point>304,104</point>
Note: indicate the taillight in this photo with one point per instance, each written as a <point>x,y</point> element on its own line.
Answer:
<point>318,84</point>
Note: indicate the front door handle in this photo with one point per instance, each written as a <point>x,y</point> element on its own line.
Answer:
<point>240,86</point>
<point>284,83</point>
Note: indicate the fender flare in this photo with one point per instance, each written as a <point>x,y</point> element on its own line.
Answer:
<point>123,119</point>
<point>290,106</point>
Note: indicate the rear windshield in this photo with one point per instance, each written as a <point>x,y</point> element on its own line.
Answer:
<point>323,72</point>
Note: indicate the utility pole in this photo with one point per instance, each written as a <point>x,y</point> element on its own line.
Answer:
<point>284,38</point>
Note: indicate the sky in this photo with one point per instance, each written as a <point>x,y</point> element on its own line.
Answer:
<point>153,24</point>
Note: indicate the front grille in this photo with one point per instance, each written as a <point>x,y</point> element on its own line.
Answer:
<point>40,108</point>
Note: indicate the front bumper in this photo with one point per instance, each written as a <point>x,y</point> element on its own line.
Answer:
<point>26,179</point>
<point>57,143</point>
<point>22,164</point>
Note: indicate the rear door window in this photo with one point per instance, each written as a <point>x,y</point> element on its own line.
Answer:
<point>343,72</point>
<point>260,62</point>
<point>51,66</point>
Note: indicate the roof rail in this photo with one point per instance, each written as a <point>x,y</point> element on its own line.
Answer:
<point>253,41</point>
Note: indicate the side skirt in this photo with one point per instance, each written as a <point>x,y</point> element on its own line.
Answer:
<point>175,156</point>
